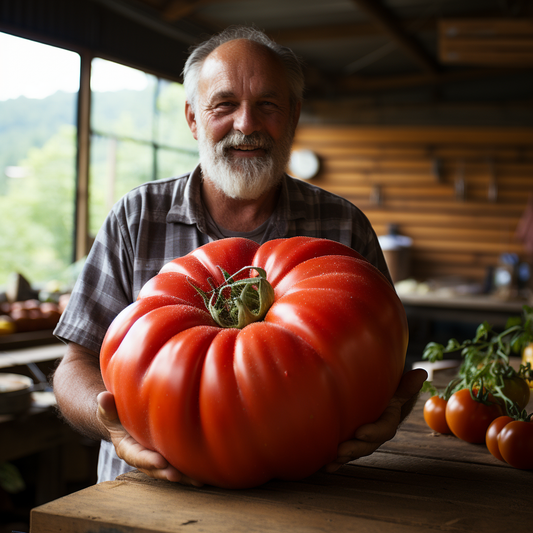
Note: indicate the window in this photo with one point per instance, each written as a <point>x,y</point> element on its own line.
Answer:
<point>138,133</point>
<point>37,159</point>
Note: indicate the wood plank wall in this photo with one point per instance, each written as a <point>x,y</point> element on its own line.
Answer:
<point>459,193</point>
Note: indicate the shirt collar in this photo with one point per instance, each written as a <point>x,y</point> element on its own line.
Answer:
<point>187,206</point>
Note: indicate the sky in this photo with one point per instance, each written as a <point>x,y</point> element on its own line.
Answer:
<point>35,70</point>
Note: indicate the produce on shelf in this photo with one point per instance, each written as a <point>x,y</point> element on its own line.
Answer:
<point>28,315</point>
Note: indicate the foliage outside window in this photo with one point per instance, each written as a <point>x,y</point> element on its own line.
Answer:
<point>136,136</point>
<point>37,158</point>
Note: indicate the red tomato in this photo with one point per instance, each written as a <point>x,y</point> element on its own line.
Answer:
<point>491,438</point>
<point>435,414</point>
<point>237,407</point>
<point>469,419</point>
<point>516,444</point>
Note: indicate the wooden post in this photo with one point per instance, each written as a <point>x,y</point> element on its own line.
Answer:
<point>83,159</point>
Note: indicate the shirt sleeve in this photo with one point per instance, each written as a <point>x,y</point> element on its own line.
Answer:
<point>103,288</point>
<point>373,253</point>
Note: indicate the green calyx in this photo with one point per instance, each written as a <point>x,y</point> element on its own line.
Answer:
<point>237,303</point>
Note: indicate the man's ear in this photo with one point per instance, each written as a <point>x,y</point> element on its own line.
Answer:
<point>191,120</point>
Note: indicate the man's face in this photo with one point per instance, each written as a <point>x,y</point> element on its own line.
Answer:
<point>244,121</point>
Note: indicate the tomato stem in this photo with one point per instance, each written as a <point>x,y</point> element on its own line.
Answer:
<point>239,302</point>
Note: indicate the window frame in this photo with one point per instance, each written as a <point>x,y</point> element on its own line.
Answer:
<point>82,235</point>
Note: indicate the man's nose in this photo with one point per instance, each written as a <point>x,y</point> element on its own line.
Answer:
<point>246,119</point>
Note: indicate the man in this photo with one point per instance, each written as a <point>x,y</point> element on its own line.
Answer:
<point>244,95</point>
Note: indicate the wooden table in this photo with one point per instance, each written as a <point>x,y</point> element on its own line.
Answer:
<point>418,482</point>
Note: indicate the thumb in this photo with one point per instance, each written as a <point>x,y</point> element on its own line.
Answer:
<point>410,384</point>
<point>107,408</point>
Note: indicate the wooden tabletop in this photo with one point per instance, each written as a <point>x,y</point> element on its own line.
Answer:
<point>418,482</point>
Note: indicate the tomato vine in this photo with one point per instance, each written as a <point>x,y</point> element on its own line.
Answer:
<point>485,366</point>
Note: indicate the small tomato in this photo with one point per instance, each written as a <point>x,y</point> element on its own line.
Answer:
<point>491,438</point>
<point>515,442</point>
<point>469,419</point>
<point>435,414</point>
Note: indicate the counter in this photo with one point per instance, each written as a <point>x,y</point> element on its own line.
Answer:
<point>418,482</point>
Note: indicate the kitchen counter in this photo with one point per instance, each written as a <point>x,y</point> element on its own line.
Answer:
<point>477,302</point>
<point>438,317</point>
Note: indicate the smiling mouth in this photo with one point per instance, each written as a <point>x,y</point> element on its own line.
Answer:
<point>247,151</point>
<point>246,148</point>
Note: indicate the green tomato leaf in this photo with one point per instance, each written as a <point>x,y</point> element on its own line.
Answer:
<point>429,387</point>
<point>453,345</point>
<point>10,479</point>
<point>433,352</point>
<point>482,331</point>
<point>513,321</point>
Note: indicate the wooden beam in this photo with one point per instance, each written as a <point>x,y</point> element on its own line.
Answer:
<point>178,9</point>
<point>335,31</point>
<point>363,29</point>
<point>393,28</point>
<point>502,42</point>
<point>360,84</point>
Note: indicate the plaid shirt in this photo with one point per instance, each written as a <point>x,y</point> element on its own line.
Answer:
<point>164,219</point>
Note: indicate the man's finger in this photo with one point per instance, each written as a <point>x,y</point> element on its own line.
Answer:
<point>384,428</point>
<point>107,407</point>
<point>410,384</point>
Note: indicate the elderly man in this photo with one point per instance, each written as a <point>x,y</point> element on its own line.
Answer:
<point>244,95</point>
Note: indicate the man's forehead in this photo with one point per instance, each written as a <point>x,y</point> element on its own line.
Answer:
<point>237,63</point>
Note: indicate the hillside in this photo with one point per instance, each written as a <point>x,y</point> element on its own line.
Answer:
<point>27,123</point>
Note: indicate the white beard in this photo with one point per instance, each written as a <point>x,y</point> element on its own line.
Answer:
<point>244,178</point>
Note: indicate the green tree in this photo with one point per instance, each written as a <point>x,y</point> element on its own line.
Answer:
<point>36,228</point>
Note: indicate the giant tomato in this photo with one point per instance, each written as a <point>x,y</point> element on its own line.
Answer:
<point>237,407</point>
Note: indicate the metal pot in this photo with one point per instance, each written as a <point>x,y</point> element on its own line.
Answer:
<point>15,393</point>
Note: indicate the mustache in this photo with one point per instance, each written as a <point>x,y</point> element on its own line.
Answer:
<point>236,138</point>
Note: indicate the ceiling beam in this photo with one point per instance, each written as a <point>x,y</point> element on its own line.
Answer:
<point>393,28</point>
<point>178,9</point>
<point>320,86</point>
<point>363,29</point>
<point>338,31</point>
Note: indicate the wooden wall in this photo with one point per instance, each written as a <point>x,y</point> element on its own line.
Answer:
<point>459,193</point>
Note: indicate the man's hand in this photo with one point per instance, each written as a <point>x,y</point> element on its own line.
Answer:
<point>370,437</point>
<point>128,449</point>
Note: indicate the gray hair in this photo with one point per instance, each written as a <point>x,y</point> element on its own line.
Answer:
<point>193,65</point>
